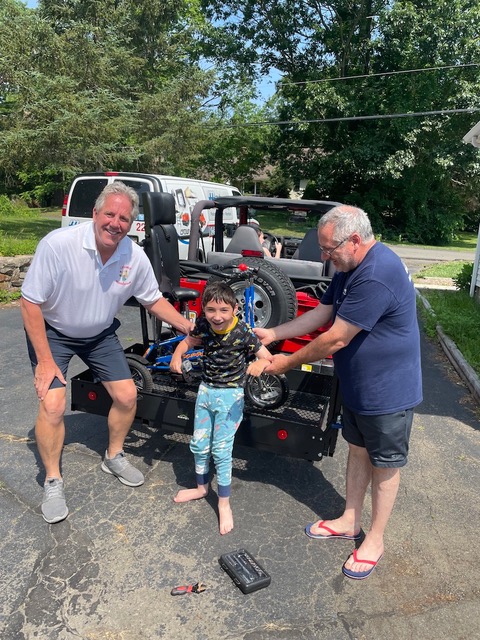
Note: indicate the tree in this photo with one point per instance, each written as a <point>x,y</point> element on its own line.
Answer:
<point>411,174</point>
<point>233,151</point>
<point>97,85</point>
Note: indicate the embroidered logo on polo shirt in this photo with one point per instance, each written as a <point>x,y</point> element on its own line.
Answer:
<point>123,277</point>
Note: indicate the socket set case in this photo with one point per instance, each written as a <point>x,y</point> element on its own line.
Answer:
<point>244,570</point>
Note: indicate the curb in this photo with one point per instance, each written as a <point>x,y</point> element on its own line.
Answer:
<point>454,355</point>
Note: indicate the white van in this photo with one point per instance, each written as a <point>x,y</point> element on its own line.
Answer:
<point>85,188</point>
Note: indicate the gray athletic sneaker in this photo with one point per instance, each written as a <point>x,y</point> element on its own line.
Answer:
<point>54,507</point>
<point>120,467</point>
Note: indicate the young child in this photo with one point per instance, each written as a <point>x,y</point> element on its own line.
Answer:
<point>228,344</point>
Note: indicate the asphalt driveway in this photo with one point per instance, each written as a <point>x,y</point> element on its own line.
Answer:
<point>107,571</point>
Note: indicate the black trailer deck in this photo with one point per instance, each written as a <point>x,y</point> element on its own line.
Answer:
<point>303,427</point>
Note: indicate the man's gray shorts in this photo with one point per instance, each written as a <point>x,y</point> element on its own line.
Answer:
<point>385,437</point>
<point>102,353</point>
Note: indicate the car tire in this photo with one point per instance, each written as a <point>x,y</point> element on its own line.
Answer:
<point>275,296</point>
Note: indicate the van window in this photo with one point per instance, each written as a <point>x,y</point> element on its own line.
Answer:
<point>140,187</point>
<point>84,196</point>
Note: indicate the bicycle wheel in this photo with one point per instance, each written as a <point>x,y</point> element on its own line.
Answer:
<point>267,391</point>
<point>140,374</point>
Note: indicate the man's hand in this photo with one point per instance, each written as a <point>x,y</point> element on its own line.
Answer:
<point>280,364</point>
<point>186,327</point>
<point>166,312</point>
<point>266,336</point>
<point>45,373</point>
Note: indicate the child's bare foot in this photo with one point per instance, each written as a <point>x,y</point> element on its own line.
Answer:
<point>185,495</point>
<point>226,517</point>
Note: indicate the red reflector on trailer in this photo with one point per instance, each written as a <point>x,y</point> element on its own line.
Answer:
<point>92,395</point>
<point>282,434</point>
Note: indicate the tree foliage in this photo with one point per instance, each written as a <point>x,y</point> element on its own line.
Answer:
<point>158,85</point>
<point>97,85</point>
<point>413,174</point>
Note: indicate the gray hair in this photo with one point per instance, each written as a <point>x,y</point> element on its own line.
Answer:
<point>118,188</point>
<point>347,220</point>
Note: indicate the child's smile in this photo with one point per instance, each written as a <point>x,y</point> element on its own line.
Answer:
<point>220,315</point>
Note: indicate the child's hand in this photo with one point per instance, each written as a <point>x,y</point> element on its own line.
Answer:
<point>257,367</point>
<point>176,365</point>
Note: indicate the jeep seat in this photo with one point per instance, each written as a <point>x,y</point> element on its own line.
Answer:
<point>245,239</point>
<point>309,249</point>
<point>161,246</point>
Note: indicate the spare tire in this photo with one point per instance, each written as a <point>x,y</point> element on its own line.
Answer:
<point>275,296</point>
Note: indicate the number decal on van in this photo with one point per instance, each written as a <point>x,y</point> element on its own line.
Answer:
<point>140,226</point>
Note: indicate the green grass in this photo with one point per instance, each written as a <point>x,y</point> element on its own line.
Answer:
<point>278,223</point>
<point>20,233</point>
<point>464,240</point>
<point>459,316</point>
<point>441,270</point>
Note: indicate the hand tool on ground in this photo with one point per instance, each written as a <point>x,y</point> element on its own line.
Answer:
<point>189,588</point>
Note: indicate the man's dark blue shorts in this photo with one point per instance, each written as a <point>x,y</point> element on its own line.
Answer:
<point>385,437</point>
<point>103,354</point>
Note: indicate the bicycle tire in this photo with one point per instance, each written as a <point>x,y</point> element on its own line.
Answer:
<point>267,391</point>
<point>141,376</point>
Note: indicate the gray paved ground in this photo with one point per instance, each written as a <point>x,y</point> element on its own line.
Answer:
<point>106,572</point>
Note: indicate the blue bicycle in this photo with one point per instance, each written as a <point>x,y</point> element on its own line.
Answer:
<point>267,391</point>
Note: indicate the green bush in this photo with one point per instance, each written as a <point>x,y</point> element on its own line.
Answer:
<point>13,208</point>
<point>8,296</point>
<point>463,279</point>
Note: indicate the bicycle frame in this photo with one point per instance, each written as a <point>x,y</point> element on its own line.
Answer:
<point>162,361</point>
<point>159,353</point>
<point>250,303</point>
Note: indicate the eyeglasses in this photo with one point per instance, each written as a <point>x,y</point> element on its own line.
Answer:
<point>330,251</point>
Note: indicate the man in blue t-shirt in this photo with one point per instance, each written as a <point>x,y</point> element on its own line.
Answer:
<point>375,343</point>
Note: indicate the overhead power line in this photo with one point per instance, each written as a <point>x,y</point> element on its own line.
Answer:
<point>350,118</point>
<point>384,73</point>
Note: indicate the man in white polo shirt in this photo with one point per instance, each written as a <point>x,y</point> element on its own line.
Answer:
<point>78,280</point>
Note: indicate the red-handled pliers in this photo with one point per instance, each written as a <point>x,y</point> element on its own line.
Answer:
<point>189,588</point>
